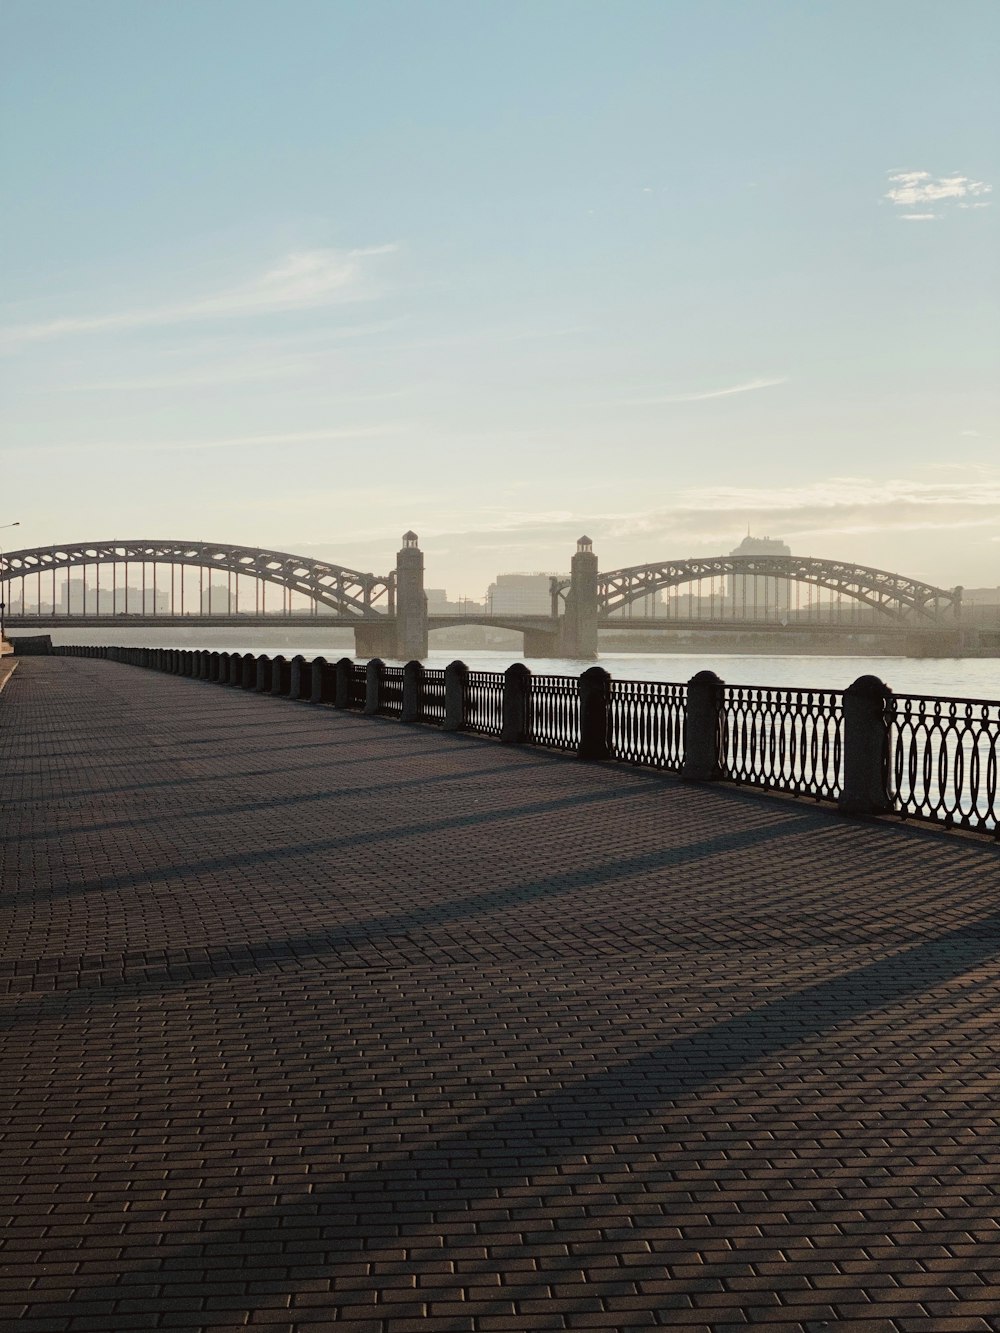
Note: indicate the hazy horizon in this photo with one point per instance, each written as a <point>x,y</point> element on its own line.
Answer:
<point>305,276</point>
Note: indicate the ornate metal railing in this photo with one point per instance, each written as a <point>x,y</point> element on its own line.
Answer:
<point>434,696</point>
<point>359,685</point>
<point>390,696</point>
<point>484,702</point>
<point>922,757</point>
<point>647,723</point>
<point>554,712</point>
<point>944,760</point>
<point>784,740</point>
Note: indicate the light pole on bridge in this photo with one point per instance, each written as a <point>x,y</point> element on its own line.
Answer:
<point>4,581</point>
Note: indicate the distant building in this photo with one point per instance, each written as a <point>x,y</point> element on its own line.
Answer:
<point>651,605</point>
<point>216,599</point>
<point>438,604</point>
<point>755,596</point>
<point>981,596</point>
<point>79,598</point>
<point>520,595</point>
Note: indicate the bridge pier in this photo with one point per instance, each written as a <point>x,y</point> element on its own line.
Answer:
<point>374,638</point>
<point>403,638</point>
<point>578,627</point>
<point>411,602</point>
<point>543,643</point>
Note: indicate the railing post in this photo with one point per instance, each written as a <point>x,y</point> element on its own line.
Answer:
<point>702,728</point>
<point>514,726</point>
<point>278,668</point>
<point>263,682</point>
<point>456,678</point>
<point>867,705</point>
<point>295,679</point>
<point>235,673</point>
<point>316,685</point>
<point>249,674</point>
<point>328,689</point>
<point>413,692</point>
<point>342,670</point>
<point>373,683</point>
<point>595,714</point>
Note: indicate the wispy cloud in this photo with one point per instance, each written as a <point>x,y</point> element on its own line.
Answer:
<point>915,190</point>
<point>747,386</point>
<point>298,281</point>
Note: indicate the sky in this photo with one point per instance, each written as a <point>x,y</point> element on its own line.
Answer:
<point>303,274</point>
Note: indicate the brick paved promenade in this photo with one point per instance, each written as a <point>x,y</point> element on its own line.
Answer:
<point>315,1020</point>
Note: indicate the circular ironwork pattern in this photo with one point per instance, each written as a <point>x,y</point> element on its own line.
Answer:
<point>946,760</point>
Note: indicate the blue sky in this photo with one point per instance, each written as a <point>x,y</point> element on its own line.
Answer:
<point>306,274</point>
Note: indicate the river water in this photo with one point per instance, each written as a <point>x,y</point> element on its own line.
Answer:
<point>968,677</point>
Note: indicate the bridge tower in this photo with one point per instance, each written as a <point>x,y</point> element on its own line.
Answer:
<point>578,627</point>
<point>411,601</point>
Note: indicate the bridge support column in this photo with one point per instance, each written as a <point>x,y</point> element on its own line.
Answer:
<point>374,639</point>
<point>578,636</point>
<point>411,601</point>
<point>543,643</point>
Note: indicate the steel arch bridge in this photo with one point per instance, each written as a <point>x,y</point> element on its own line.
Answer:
<point>345,592</point>
<point>894,596</point>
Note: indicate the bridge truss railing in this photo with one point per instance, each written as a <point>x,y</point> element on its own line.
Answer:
<point>872,752</point>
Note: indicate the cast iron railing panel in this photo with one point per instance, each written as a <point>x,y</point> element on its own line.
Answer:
<point>390,702</point>
<point>434,696</point>
<point>647,723</point>
<point>554,712</point>
<point>944,757</point>
<point>484,702</point>
<point>784,740</point>
<point>359,685</point>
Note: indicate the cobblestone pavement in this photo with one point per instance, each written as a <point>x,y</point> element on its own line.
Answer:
<point>316,1020</point>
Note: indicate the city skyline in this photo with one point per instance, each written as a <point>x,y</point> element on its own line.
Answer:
<point>305,279</point>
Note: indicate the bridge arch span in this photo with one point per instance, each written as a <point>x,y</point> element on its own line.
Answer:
<point>893,596</point>
<point>344,591</point>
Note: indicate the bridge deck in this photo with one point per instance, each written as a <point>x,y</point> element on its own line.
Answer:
<point>314,1019</point>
